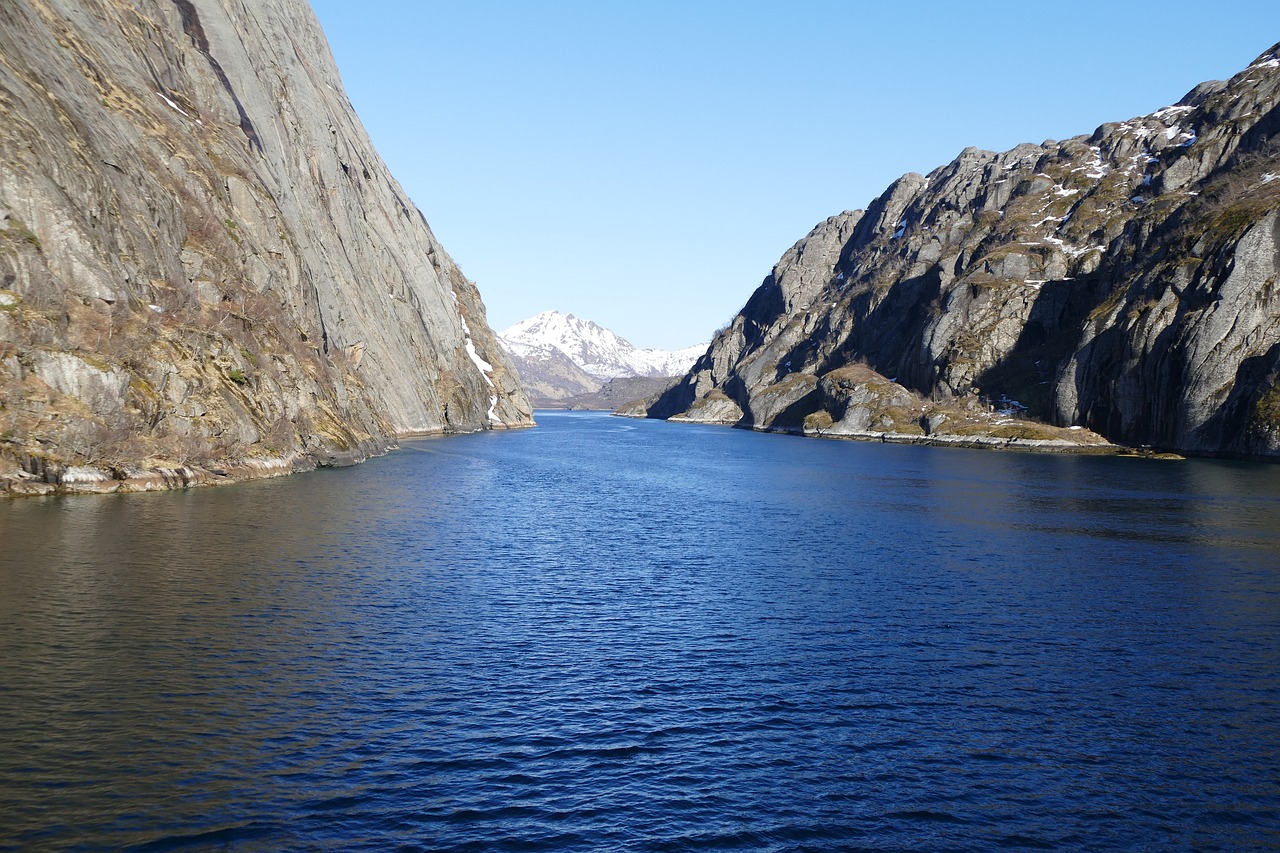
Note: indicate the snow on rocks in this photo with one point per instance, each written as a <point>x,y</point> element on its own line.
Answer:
<point>1073,251</point>
<point>598,351</point>
<point>483,366</point>
<point>1096,170</point>
<point>178,109</point>
<point>172,104</point>
<point>1168,112</point>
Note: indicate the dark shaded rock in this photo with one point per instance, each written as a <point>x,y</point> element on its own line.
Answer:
<point>1123,282</point>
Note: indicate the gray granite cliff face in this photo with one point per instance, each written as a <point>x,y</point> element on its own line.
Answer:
<point>1121,284</point>
<point>205,267</point>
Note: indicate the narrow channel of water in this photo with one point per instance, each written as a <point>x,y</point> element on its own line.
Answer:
<point>615,634</point>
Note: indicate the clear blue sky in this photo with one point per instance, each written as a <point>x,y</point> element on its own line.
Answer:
<point>644,164</point>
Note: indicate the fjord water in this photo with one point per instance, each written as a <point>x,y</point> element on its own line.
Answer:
<point>614,634</point>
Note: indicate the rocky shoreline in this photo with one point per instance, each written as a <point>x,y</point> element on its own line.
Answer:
<point>37,476</point>
<point>1015,444</point>
<point>979,442</point>
<point>1090,444</point>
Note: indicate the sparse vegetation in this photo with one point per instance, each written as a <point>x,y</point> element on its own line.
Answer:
<point>818,420</point>
<point>1022,430</point>
<point>1266,413</point>
<point>20,230</point>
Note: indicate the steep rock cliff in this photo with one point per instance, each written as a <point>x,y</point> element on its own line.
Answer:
<point>1124,282</point>
<point>205,267</point>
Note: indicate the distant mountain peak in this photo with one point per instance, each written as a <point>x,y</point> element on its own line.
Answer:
<point>598,351</point>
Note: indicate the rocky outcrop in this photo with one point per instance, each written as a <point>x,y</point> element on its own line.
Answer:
<point>204,264</point>
<point>1123,283</point>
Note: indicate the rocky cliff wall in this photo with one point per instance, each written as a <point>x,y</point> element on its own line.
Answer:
<point>1124,282</point>
<point>204,261</point>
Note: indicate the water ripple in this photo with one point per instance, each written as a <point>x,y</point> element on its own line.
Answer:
<point>653,638</point>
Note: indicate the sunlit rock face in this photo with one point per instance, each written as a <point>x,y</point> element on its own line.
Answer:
<point>1123,282</point>
<point>204,262</point>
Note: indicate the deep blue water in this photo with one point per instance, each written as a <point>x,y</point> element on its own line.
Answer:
<point>607,634</point>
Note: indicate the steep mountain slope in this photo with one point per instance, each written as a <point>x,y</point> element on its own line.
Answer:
<point>547,373</point>
<point>1124,281</point>
<point>206,270</point>
<point>598,351</point>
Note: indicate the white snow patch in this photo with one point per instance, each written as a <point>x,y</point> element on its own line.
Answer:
<point>483,366</point>
<point>1168,111</point>
<point>1269,177</point>
<point>156,308</point>
<point>1095,170</point>
<point>1073,251</point>
<point>177,108</point>
<point>1135,164</point>
<point>1271,62</point>
<point>1140,131</point>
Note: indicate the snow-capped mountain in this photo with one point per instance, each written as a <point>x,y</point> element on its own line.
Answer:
<point>548,374</point>
<point>598,351</point>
